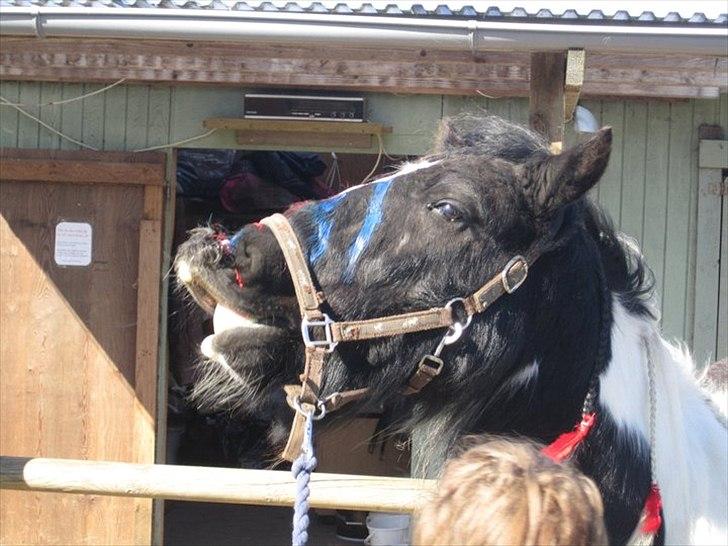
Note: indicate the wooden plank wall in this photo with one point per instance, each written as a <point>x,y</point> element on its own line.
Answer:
<point>650,187</point>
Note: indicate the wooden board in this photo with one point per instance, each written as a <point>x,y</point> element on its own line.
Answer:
<point>274,138</point>
<point>74,379</point>
<point>302,126</point>
<point>574,81</point>
<point>81,167</point>
<point>707,273</point>
<point>711,229</point>
<point>392,70</point>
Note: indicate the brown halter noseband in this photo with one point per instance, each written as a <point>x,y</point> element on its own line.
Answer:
<point>304,398</point>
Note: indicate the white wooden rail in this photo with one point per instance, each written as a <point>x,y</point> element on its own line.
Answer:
<point>208,484</point>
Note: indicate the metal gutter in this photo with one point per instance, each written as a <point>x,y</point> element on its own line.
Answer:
<point>354,30</point>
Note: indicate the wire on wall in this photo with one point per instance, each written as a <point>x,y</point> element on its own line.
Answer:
<point>17,106</point>
<point>6,102</point>
<point>64,101</point>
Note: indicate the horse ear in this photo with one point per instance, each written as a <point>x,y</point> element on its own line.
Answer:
<point>448,138</point>
<point>557,180</point>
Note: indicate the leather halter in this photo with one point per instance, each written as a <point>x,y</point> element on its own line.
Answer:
<point>313,319</point>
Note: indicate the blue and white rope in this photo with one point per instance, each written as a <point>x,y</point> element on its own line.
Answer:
<point>301,470</point>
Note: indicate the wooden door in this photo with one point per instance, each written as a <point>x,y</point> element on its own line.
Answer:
<point>80,246</point>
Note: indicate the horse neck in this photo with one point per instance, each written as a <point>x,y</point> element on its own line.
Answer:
<point>569,338</point>
<point>542,363</point>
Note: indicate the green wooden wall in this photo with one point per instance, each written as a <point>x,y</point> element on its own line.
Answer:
<point>650,187</point>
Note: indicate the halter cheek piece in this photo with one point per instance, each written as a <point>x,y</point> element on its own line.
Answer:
<point>304,398</point>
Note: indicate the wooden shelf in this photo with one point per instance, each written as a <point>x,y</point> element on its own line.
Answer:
<point>339,134</point>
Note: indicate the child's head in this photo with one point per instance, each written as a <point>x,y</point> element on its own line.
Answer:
<point>507,492</point>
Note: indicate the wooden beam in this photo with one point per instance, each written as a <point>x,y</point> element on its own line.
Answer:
<point>276,138</point>
<point>80,172</point>
<point>422,71</point>
<point>206,484</point>
<point>546,100</point>
<point>294,126</point>
<point>575,60</point>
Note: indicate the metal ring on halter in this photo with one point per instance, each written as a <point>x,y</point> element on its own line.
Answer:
<point>453,334</point>
<point>320,407</point>
<point>468,320</point>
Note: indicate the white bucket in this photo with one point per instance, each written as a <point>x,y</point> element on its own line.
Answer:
<point>387,529</point>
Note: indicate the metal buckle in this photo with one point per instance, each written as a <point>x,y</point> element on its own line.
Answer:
<point>510,288</point>
<point>320,408</point>
<point>329,344</point>
<point>431,365</point>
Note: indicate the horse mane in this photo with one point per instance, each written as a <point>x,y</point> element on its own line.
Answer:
<point>627,274</point>
<point>489,136</point>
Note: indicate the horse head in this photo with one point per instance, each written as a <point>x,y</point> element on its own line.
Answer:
<point>433,231</point>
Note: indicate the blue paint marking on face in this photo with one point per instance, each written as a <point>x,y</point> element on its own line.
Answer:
<point>324,224</point>
<point>369,225</point>
<point>235,238</point>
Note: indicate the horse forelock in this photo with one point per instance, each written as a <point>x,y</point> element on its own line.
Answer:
<point>489,136</point>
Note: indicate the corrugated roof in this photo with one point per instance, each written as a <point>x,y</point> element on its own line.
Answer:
<point>578,14</point>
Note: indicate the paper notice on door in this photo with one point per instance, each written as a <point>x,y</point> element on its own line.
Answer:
<point>73,243</point>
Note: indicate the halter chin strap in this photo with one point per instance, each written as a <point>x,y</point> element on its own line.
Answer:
<point>305,397</point>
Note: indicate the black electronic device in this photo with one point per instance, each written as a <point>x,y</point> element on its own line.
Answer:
<point>303,107</point>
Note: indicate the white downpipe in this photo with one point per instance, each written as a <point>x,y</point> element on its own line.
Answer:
<point>355,30</point>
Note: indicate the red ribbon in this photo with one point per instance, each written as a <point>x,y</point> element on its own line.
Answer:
<point>653,504</point>
<point>239,279</point>
<point>563,447</point>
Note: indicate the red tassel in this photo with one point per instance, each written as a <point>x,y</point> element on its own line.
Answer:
<point>653,504</point>
<point>563,447</point>
<point>239,279</point>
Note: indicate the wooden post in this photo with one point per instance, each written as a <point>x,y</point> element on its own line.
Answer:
<point>546,112</point>
<point>207,484</point>
<point>574,80</point>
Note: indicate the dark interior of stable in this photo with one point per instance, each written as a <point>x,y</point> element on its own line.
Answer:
<point>233,188</point>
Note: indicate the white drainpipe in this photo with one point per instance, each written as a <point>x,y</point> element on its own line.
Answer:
<point>357,30</point>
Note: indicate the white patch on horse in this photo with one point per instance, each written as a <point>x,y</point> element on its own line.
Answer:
<point>524,376</point>
<point>691,444</point>
<point>403,241</point>
<point>208,350</point>
<point>184,273</point>
<point>406,168</point>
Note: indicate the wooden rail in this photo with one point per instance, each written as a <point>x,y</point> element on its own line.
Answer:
<point>207,484</point>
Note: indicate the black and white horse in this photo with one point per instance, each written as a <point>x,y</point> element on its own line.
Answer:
<point>436,230</point>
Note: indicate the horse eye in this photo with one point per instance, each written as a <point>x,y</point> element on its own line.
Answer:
<point>448,210</point>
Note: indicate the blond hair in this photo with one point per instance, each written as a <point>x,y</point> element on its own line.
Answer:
<point>504,492</point>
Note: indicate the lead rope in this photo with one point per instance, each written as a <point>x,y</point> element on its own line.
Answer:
<point>652,517</point>
<point>301,470</point>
